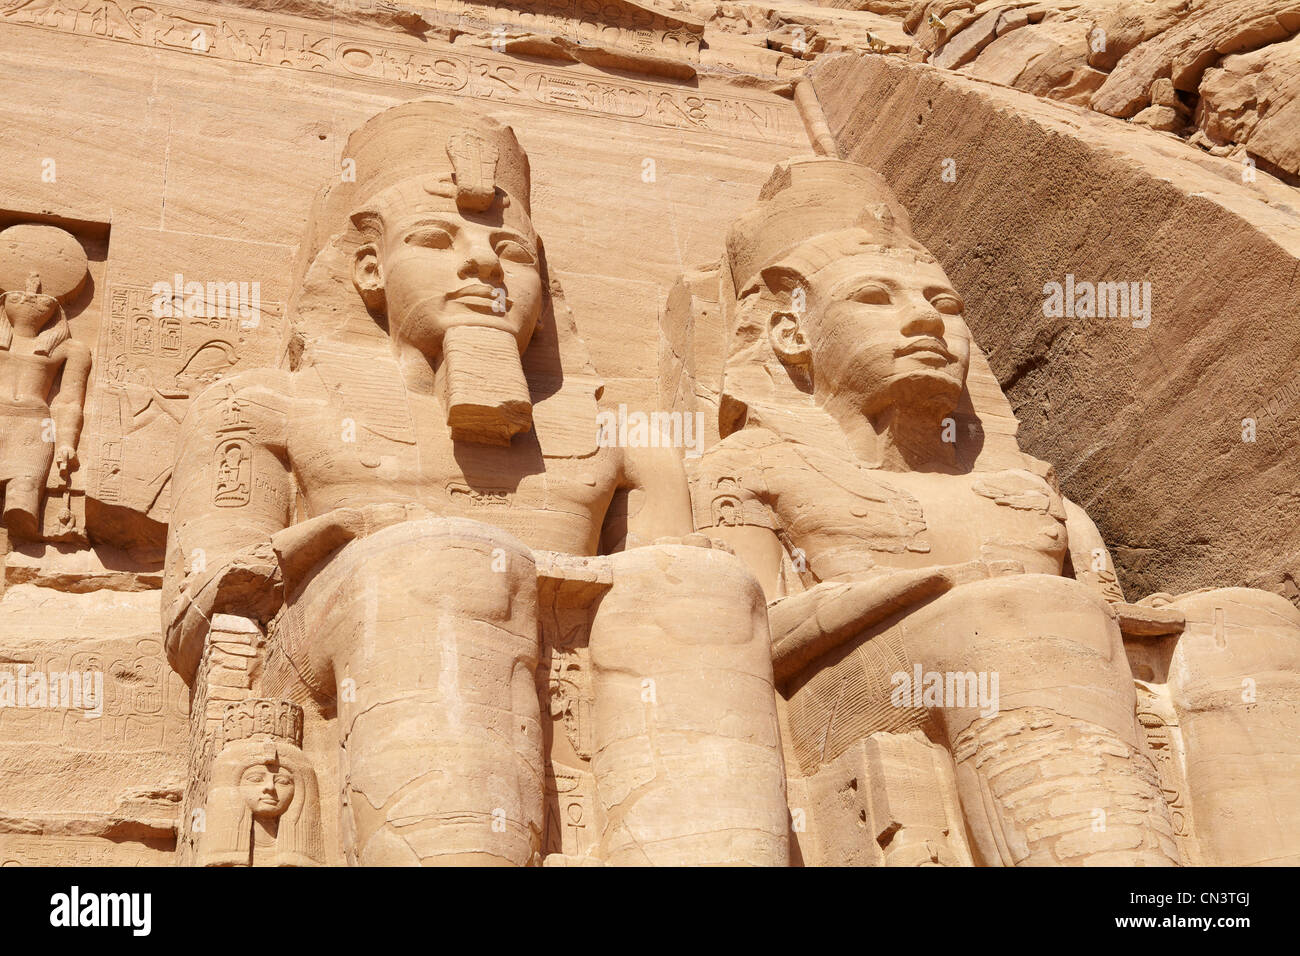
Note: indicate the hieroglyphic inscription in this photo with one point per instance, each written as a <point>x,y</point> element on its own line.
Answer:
<point>20,849</point>
<point>269,41</point>
<point>149,368</point>
<point>611,23</point>
<point>145,704</point>
<point>569,826</point>
<point>1159,722</point>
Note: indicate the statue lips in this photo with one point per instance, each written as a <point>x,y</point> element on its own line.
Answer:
<point>927,348</point>
<point>479,298</point>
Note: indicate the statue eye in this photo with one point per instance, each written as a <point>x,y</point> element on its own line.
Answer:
<point>948,304</point>
<point>514,251</point>
<point>431,237</point>
<point>872,295</point>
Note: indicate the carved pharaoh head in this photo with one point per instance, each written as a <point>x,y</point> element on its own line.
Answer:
<point>448,255</point>
<point>42,267</point>
<point>450,243</point>
<point>263,806</point>
<point>826,272</point>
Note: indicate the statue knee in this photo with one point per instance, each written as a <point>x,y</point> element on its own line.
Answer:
<point>1234,681</point>
<point>678,616</point>
<point>1030,607</point>
<point>1042,640</point>
<point>1234,639</point>
<point>687,750</point>
<point>684,611</point>
<point>457,547</point>
<point>22,506</point>
<point>409,591</point>
<point>428,632</point>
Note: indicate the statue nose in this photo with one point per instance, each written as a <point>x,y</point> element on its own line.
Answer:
<point>924,320</point>
<point>481,261</point>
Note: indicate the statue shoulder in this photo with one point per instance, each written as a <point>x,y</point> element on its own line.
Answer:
<point>730,483</point>
<point>1027,483</point>
<point>738,460</point>
<point>260,399</point>
<point>72,350</point>
<point>748,444</point>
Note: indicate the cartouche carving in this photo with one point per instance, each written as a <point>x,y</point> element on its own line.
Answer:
<point>42,268</point>
<point>421,497</point>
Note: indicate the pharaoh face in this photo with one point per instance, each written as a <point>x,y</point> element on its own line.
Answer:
<point>267,789</point>
<point>885,329</point>
<point>440,267</point>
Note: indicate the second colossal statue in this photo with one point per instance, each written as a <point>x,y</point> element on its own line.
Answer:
<point>897,538</point>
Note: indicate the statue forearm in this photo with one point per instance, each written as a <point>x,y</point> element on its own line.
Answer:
<point>67,408</point>
<point>68,419</point>
<point>247,582</point>
<point>808,624</point>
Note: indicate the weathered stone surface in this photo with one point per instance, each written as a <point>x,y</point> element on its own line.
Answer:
<point>1126,25</point>
<point>1047,58</point>
<point>550,433</point>
<point>1254,99</point>
<point>1100,398</point>
<point>1197,41</point>
<point>1234,61</point>
<point>93,751</point>
<point>970,41</point>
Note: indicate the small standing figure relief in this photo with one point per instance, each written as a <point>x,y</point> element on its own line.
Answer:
<point>42,268</point>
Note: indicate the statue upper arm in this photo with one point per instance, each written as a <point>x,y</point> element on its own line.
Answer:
<point>231,490</point>
<point>658,497</point>
<point>1089,557</point>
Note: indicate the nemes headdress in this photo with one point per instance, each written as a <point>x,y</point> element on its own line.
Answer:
<point>425,155</point>
<point>804,198</point>
<point>424,150</point>
<point>428,151</point>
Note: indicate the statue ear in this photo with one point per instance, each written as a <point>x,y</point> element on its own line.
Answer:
<point>785,332</point>
<point>785,328</point>
<point>368,276</point>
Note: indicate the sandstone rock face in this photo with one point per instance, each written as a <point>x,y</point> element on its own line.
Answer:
<point>1085,387</point>
<point>1254,99</point>
<point>93,732</point>
<point>1231,60</point>
<point>648,433</point>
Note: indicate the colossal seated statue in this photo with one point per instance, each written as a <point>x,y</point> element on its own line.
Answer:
<point>406,504</point>
<point>901,543</point>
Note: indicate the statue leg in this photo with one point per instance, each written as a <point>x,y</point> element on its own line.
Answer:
<point>426,634</point>
<point>1056,773</point>
<point>1235,684</point>
<point>23,506</point>
<point>687,755</point>
<point>25,458</point>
